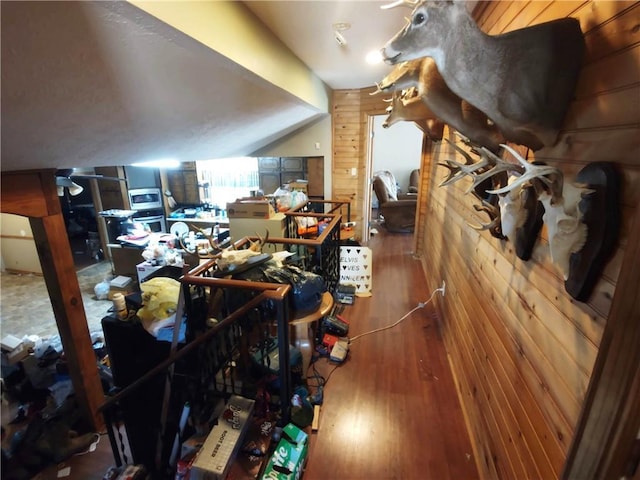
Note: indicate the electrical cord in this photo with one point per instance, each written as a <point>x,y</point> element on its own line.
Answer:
<point>420,305</point>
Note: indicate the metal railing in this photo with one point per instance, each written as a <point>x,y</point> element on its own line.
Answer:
<point>216,353</point>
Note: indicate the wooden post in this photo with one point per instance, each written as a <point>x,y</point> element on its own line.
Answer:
<point>34,195</point>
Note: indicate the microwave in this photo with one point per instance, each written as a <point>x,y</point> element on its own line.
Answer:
<point>145,198</point>
<point>150,222</point>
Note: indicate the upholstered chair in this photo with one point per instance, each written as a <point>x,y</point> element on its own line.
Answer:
<point>398,211</point>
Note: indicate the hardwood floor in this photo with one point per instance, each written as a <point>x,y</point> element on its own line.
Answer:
<point>391,410</point>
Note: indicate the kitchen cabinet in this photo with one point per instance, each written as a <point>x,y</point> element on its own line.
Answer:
<point>276,171</point>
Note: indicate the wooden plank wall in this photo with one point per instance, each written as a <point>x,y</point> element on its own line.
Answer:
<point>351,109</point>
<point>521,348</point>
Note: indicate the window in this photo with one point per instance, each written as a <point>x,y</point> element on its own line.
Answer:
<point>223,180</point>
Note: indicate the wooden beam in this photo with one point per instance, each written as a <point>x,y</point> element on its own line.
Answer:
<point>610,417</point>
<point>34,195</point>
<point>23,193</point>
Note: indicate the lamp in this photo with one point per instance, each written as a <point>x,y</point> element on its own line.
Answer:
<point>75,189</point>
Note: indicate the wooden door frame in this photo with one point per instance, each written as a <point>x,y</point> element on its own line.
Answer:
<point>34,195</point>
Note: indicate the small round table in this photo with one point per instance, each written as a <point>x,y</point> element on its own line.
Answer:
<point>303,334</point>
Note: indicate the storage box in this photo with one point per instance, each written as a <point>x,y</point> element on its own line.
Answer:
<point>224,440</point>
<point>251,227</point>
<point>250,209</point>
<point>145,269</point>
<point>120,281</point>
<point>300,186</point>
<point>287,462</point>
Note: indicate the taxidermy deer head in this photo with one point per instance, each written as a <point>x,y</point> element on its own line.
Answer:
<point>561,200</point>
<point>445,105</point>
<point>406,105</point>
<point>522,80</point>
<point>566,231</point>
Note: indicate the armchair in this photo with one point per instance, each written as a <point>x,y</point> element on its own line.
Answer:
<point>398,211</point>
<point>414,180</point>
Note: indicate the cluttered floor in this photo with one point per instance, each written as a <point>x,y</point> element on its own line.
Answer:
<point>26,314</point>
<point>390,409</point>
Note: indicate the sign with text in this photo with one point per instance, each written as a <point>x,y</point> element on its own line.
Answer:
<point>356,268</point>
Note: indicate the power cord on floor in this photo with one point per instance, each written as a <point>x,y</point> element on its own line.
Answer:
<point>420,305</point>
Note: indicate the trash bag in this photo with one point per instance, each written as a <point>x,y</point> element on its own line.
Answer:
<point>102,290</point>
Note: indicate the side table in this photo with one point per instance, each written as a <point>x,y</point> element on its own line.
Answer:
<point>303,334</point>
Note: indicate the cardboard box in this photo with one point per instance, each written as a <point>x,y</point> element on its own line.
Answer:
<point>287,462</point>
<point>219,450</point>
<point>145,269</point>
<point>250,209</point>
<point>300,186</point>
<point>251,227</point>
<point>10,342</point>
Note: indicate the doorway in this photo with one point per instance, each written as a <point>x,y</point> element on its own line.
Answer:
<point>81,222</point>
<point>397,149</point>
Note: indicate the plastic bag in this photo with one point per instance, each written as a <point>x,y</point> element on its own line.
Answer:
<point>102,290</point>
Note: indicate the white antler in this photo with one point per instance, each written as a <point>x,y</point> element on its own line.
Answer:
<point>489,165</point>
<point>532,172</point>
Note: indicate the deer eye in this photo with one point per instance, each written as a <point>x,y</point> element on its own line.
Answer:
<point>419,18</point>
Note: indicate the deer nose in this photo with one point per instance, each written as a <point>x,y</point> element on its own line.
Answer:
<point>389,60</point>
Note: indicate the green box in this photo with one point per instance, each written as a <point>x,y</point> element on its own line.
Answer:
<point>287,462</point>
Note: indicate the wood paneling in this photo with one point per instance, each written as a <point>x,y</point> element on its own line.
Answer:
<point>351,109</point>
<point>521,349</point>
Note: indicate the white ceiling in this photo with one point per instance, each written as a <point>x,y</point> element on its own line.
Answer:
<point>306,27</point>
<point>92,84</point>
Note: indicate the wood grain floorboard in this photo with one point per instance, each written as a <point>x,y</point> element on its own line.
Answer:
<point>391,410</point>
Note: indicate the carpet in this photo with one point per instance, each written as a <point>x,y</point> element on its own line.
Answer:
<point>25,308</point>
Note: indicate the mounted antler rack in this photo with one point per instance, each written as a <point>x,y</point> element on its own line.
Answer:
<point>582,217</point>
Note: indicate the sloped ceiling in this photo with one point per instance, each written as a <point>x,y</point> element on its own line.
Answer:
<point>94,84</point>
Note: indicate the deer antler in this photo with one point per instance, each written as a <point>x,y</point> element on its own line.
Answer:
<point>489,165</point>
<point>212,251</point>
<point>494,226</point>
<point>258,244</point>
<point>531,172</point>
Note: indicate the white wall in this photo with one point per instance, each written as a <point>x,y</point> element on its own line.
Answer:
<point>18,248</point>
<point>396,149</point>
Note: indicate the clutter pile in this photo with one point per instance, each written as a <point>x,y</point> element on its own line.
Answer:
<point>48,427</point>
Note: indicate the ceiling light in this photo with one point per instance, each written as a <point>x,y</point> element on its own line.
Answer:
<point>340,40</point>
<point>338,28</point>
<point>341,26</point>
<point>163,163</point>
<point>374,57</point>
